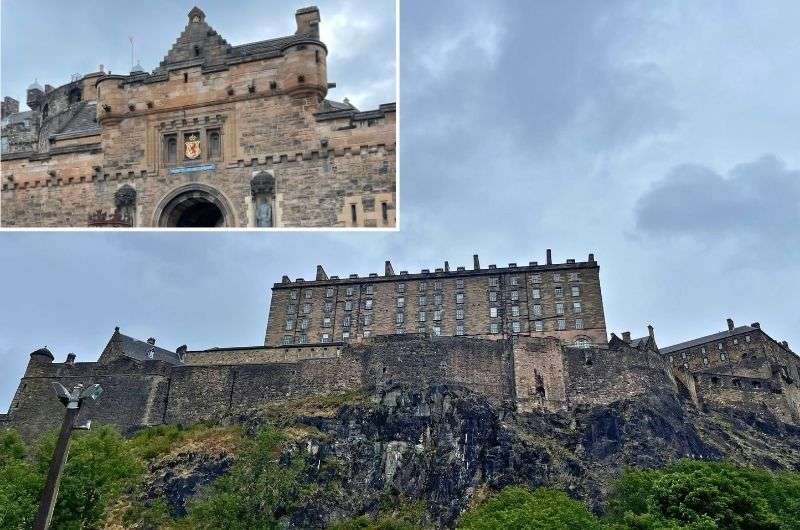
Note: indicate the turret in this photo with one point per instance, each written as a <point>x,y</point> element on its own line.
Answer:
<point>42,355</point>
<point>111,99</point>
<point>35,96</point>
<point>307,21</point>
<point>8,107</point>
<point>305,70</point>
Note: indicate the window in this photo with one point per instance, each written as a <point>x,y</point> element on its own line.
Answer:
<point>514,310</point>
<point>170,149</point>
<point>291,308</point>
<point>328,292</point>
<point>385,212</point>
<point>368,289</point>
<point>559,291</point>
<point>353,217</point>
<point>493,312</point>
<point>287,339</point>
<point>401,287</point>
<point>573,276</point>
<point>293,295</point>
<point>537,310</point>
<point>328,307</point>
<point>460,329</point>
<point>559,308</point>
<point>722,356</point>
<point>437,299</point>
<point>536,278</point>
<point>400,318</point>
<point>719,345</point>
<point>536,293</point>
<point>367,320</point>
<point>515,295</point>
<point>562,324</point>
<point>214,144</point>
<point>326,337</point>
<point>576,291</point>
<point>459,298</point>
<point>459,314</point>
<point>459,283</point>
<point>514,280</point>
<point>309,293</point>
<point>515,327</point>
<point>401,301</point>
<point>345,335</point>
<point>303,339</point>
<point>367,333</point>
<point>348,305</point>
<point>736,341</point>
<point>349,291</point>
<point>578,323</point>
<point>326,322</point>
<point>576,307</point>
<point>304,323</point>
<point>538,325</point>
<point>422,286</point>
<point>423,300</point>
<point>747,338</point>
<point>306,308</point>
<point>422,316</point>
<point>494,328</point>
<point>368,303</point>
<point>494,282</point>
<point>437,285</point>
<point>583,342</point>
<point>705,361</point>
<point>556,276</point>
<point>703,349</point>
<point>289,324</point>
<point>346,321</point>
<point>437,315</point>
<point>493,296</point>
<point>437,331</point>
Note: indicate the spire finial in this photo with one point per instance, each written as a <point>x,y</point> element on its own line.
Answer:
<point>196,15</point>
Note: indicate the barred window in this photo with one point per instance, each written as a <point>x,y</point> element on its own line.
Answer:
<point>328,307</point>
<point>536,278</point>
<point>400,318</point>
<point>562,324</point>
<point>423,300</point>
<point>536,294</point>
<point>514,310</point>
<point>348,305</point>
<point>494,328</point>
<point>437,331</point>
<point>422,316</point>
<point>437,315</point>
<point>576,291</point>
<point>576,307</point>
<point>401,301</point>
<point>459,298</point>
<point>459,314</point>
<point>460,329</point>
<point>578,323</point>
<point>559,308</point>
<point>346,321</point>
<point>537,310</point>
<point>493,312</point>
<point>304,323</point>
<point>559,291</point>
<point>367,320</point>
<point>328,292</point>
<point>494,281</point>
<point>538,325</point>
<point>459,283</point>
<point>289,324</point>
<point>515,327</point>
<point>287,339</point>
<point>303,339</point>
<point>493,296</point>
<point>515,295</point>
<point>368,303</point>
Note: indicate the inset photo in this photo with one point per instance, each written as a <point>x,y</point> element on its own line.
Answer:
<point>227,115</point>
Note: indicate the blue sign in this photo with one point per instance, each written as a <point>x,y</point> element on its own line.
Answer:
<point>190,169</point>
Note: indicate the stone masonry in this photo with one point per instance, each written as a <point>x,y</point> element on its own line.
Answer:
<point>216,135</point>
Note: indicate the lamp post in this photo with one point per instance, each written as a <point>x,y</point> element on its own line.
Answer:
<point>73,401</point>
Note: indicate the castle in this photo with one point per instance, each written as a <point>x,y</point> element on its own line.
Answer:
<point>521,367</point>
<point>216,136</point>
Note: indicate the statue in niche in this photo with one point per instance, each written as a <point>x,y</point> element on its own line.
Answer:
<point>125,202</point>
<point>262,188</point>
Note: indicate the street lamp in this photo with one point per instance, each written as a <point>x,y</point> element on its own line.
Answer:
<point>73,401</point>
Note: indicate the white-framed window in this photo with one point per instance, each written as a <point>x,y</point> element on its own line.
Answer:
<point>368,303</point>
<point>437,331</point>
<point>493,312</point>
<point>304,323</point>
<point>306,308</point>
<point>437,299</point>
<point>578,323</point>
<point>559,291</point>
<point>309,293</point>
<point>368,289</point>
<point>576,291</point>
<point>303,339</point>
<point>345,335</point>
<point>400,318</point>
<point>562,324</point>
<point>557,277</point>
<point>576,307</point>
<point>326,322</point>
<point>293,295</point>
<point>515,327</point>
<point>494,281</point>
<point>514,310</point>
<point>348,305</point>
<point>289,324</point>
<point>328,307</point>
<point>719,345</point>
<point>367,320</point>
<point>536,278</point>
<point>350,291</point>
<point>422,316</point>
<point>705,361</point>
<point>703,349</point>
<point>559,308</point>
<point>573,276</point>
<point>493,296</point>
<point>583,342</point>
<point>422,286</point>
<point>736,341</point>
<point>401,287</point>
<point>459,283</point>
<point>538,325</point>
<point>346,321</point>
<point>537,310</point>
<point>722,356</point>
<point>437,285</point>
<point>328,292</point>
<point>459,329</point>
<point>423,300</point>
<point>459,298</point>
<point>287,339</point>
<point>514,295</point>
<point>437,314</point>
<point>401,301</point>
<point>514,280</point>
<point>326,337</point>
<point>291,308</point>
<point>536,294</point>
<point>747,338</point>
<point>459,314</point>
<point>494,327</point>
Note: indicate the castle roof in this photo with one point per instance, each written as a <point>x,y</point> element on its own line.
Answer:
<point>82,122</point>
<point>710,338</point>
<point>138,349</point>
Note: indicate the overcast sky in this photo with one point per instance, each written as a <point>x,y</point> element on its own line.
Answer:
<point>663,139</point>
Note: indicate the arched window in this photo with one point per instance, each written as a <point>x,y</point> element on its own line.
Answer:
<point>214,145</point>
<point>172,150</point>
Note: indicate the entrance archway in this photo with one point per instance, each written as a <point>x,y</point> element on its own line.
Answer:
<point>194,206</point>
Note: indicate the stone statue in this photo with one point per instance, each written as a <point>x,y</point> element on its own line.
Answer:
<point>264,214</point>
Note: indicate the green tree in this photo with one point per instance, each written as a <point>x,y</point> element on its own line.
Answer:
<point>519,508</point>
<point>20,483</point>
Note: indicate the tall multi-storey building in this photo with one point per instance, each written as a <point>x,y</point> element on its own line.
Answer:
<point>216,135</point>
<point>543,300</point>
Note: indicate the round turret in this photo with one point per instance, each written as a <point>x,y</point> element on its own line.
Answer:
<point>111,99</point>
<point>35,95</point>
<point>304,70</point>
<point>42,355</point>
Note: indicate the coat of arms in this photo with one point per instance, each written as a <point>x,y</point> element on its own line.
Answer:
<point>192,147</point>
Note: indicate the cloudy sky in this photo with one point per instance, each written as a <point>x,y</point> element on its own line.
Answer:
<point>663,139</point>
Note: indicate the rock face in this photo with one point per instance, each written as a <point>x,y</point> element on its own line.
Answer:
<point>444,445</point>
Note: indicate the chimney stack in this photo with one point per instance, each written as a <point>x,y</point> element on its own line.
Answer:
<point>151,341</point>
<point>181,351</point>
<point>321,273</point>
<point>549,257</point>
<point>476,262</point>
<point>70,359</point>
<point>755,325</point>
<point>591,257</point>
<point>730,324</point>
<point>651,331</point>
<point>307,20</point>
<point>626,336</point>
<point>446,266</point>
<point>388,269</point>
<point>785,344</point>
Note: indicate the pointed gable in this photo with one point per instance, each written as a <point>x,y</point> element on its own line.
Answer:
<point>198,44</point>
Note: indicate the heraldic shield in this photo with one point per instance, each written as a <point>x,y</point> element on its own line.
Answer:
<point>192,147</point>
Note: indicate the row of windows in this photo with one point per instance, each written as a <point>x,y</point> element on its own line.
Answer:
<point>719,346</point>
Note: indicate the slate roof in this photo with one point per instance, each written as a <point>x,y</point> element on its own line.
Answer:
<point>18,117</point>
<point>330,105</point>
<point>83,121</point>
<point>709,338</point>
<point>137,349</point>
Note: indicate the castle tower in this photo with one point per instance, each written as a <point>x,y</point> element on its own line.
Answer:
<point>35,96</point>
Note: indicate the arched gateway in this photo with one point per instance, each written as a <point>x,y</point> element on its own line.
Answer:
<point>194,206</point>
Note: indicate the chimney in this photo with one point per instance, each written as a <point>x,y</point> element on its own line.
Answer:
<point>307,21</point>
<point>151,341</point>
<point>626,336</point>
<point>549,257</point>
<point>388,270</point>
<point>476,262</point>
<point>785,344</point>
<point>70,359</point>
<point>181,351</point>
<point>755,325</point>
<point>321,273</point>
<point>730,324</point>
<point>591,257</point>
<point>651,332</point>
<point>285,279</point>
<point>446,266</point>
